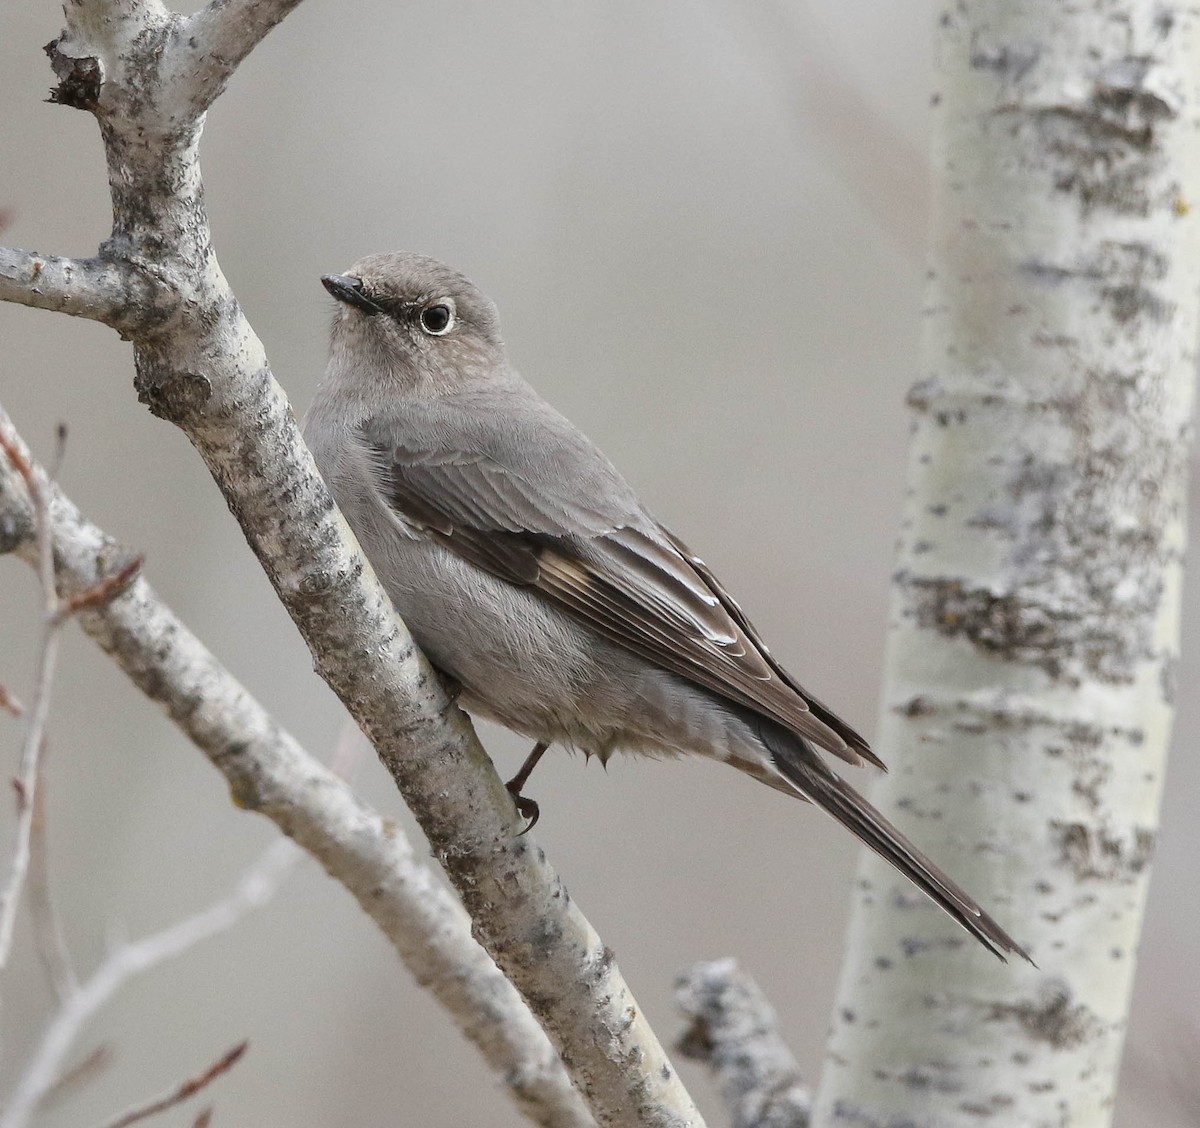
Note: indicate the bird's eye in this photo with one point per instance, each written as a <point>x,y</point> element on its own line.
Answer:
<point>438,319</point>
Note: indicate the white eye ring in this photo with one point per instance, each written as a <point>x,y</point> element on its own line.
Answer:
<point>432,315</point>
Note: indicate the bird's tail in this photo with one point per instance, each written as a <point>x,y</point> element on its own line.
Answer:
<point>805,771</point>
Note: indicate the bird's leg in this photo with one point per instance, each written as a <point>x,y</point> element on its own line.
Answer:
<point>526,807</point>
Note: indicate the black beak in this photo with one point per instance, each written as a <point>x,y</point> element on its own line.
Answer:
<point>349,290</point>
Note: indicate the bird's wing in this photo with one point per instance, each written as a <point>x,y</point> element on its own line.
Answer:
<point>546,510</point>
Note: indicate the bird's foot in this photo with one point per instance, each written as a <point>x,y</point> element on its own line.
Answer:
<point>527,808</point>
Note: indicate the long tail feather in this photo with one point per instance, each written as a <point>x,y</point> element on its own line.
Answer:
<point>813,780</point>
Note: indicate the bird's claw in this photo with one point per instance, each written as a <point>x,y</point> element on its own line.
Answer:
<point>527,808</point>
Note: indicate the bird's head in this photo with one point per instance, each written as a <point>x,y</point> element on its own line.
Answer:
<point>414,323</point>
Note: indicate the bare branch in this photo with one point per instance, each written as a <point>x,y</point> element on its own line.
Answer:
<point>270,773</point>
<point>117,294</point>
<point>733,1029</point>
<point>182,1092</point>
<point>219,37</point>
<point>257,886</point>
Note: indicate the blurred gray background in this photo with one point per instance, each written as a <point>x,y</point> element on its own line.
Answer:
<point>702,224</point>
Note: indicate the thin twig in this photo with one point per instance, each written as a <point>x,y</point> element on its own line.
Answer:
<point>97,595</point>
<point>56,612</point>
<point>10,704</point>
<point>183,1092</point>
<point>47,928</point>
<point>25,783</point>
<point>257,886</point>
<point>80,1074</point>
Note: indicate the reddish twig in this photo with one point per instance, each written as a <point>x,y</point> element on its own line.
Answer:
<point>82,1074</point>
<point>47,929</point>
<point>99,594</point>
<point>10,704</point>
<point>185,1091</point>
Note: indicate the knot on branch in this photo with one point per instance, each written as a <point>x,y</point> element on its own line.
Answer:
<point>79,77</point>
<point>172,395</point>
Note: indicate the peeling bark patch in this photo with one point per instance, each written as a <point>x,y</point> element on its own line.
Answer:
<point>1005,625</point>
<point>79,79</point>
<point>1052,1019</point>
<point>1093,853</point>
<point>1105,148</point>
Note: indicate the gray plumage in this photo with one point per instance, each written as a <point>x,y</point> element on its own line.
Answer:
<point>528,571</point>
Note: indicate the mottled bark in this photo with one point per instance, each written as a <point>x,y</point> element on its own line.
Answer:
<point>732,1028</point>
<point>1028,695</point>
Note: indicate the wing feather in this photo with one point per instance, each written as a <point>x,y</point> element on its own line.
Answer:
<point>558,518</point>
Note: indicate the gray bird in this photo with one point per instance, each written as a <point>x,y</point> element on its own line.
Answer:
<point>530,574</point>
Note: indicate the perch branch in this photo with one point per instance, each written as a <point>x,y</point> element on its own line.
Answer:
<point>203,369</point>
<point>269,772</point>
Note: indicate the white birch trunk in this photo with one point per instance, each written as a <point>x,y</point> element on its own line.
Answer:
<point>1027,705</point>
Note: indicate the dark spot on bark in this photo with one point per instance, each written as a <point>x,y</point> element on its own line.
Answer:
<point>918,706</point>
<point>15,528</point>
<point>923,1079</point>
<point>1167,678</point>
<point>79,79</point>
<point>1092,774</point>
<point>1009,61</point>
<point>1097,853</point>
<point>1051,1018</point>
<point>1121,274</point>
<point>1006,625</point>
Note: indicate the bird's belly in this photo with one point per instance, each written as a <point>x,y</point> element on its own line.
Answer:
<point>519,661</point>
